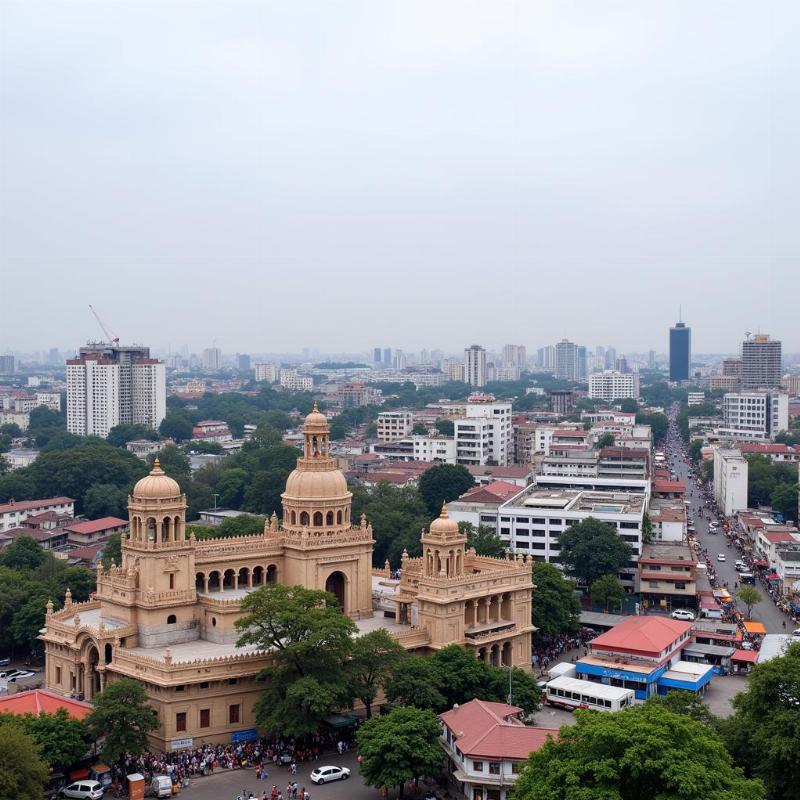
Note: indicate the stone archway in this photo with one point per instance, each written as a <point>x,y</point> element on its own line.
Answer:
<point>92,680</point>
<point>336,585</point>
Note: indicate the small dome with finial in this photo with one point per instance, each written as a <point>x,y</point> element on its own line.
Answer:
<point>316,421</point>
<point>157,485</point>
<point>443,524</point>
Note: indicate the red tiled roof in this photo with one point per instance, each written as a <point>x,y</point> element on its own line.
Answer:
<point>755,447</point>
<point>748,656</point>
<point>495,492</point>
<point>624,452</point>
<point>492,730</point>
<point>40,701</point>
<point>641,634</point>
<point>660,485</point>
<point>32,505</point>
<point>96,525</point>
<point>86,553</point>
<point>778,536</point>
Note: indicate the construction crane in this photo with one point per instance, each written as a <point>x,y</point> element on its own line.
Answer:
<point>111,339</point>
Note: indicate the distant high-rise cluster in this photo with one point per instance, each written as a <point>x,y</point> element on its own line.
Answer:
<point>110,384</point>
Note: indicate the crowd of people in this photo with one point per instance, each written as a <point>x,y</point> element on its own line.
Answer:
<point>547,649</point>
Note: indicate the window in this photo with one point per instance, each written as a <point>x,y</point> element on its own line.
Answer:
<point>233,681</point>
<point>58,675</point>
<point>477,766</point>
<point>494,767</point>
<point>171,619</point>
<point>204,685</point>
<point>171,580</point>
<point>180,688</point>
<point>180,721</point>
<point>205,717</point>
<point>233,713</point>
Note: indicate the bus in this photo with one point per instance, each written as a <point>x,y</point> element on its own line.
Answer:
<point>575,693</point>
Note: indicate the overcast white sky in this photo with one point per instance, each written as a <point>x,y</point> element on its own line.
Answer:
<point>411,174</point>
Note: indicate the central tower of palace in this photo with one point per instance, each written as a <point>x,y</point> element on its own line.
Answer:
<point>322,547</point>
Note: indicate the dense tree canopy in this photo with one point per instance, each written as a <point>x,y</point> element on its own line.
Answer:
<point>591,549</point>
<point>120,435</point>
<point>373,660</point>
<point>399,747</point>
<point>484,539</point>
<point>443,483</point>
<point>764,733</point>
<point>642,752</point>
<point>764,477</point>
<point>62,739</point>
<point>555,607</point>
<point>22,769</point>
<point>446,427</point>
<point>607,592</point>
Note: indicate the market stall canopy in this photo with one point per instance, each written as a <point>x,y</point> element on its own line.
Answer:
<point>754,627</point>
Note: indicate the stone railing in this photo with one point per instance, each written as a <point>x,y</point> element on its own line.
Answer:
<point>412,637</point>
<point>218,600</point>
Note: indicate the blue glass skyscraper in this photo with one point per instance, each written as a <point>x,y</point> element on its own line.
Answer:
<point>680,352</point>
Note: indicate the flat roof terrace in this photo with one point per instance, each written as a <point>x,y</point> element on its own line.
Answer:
<point>585,500</point>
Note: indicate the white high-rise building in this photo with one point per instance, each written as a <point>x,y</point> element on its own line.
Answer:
<point>730,480</point>
<point>754,416</point>
<point>212,358</point>
<point>484,436</point>
<point>266,372</point>
<point>475,366</point>
<point>761,363</point>
<point>611,385</point>
<point>567,367</point>
<point>515,355</point>
<point>110,385</point>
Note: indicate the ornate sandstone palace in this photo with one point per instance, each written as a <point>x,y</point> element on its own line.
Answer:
<point>166,614</point>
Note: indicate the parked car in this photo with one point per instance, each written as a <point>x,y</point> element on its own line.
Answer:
<point>796,633</point>
<point>11,673</point>
<point>682,614</point>
<point>327,774</point>
<point>83,790</point>
<point>4,662</point>
<point>161,786</point>
<point>720,556</point>
<point>20,674</point>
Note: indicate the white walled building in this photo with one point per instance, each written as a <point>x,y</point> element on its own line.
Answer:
<point>730,480</point>
<point>149,392</point>
<point>93,403</point>
<point>611,385</point>
<point>440,449</point>
<point>754,415</point>
<point>475,366</point>
<point>484,435</point>
<point>212,358</point>
<point>294,382</point>
<point>267,373</point>
<point>394,425</point>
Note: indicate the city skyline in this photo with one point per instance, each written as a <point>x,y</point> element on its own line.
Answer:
<point>523,169</point>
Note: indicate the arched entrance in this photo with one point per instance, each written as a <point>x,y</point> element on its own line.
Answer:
<point>336,586</point>
<point>93,678</point>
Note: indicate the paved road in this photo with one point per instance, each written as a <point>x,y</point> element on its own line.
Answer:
<point>766,611</point>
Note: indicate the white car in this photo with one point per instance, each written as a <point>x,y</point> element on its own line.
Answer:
<point>796,633</point>
<point>327,774</point>
<point>83,790</point>
<point>682,614</point>
<point>21,674</point>
<point>721,557</point>
<point>713,524</point>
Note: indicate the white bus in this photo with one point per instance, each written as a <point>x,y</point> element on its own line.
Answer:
<point>575,693</point>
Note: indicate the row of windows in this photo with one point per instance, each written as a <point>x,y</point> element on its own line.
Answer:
<point>205,718</point>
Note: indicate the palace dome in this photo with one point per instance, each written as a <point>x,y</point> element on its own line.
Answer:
<point>156,486</point>
<point>443,524</point>
<point>316,421</point>
<point>314,485</point>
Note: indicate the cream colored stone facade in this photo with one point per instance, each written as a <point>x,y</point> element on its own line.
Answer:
<point>166,614</point>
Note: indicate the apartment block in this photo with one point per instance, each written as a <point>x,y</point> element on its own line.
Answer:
<point>611,385</point>
<point>754,415</point>
<point>730,480</point>
<point>394,425</point>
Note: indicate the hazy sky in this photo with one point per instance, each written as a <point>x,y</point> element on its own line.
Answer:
<point>411,174</point>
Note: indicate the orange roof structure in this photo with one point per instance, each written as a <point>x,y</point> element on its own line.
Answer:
<point>754,627</point>
<point>40,701</point>
<point>647,634</point>
<point>492,730</point>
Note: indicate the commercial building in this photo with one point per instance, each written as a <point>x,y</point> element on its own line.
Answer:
<point>211,430</point>
<point>434,449</point>
<point>110,385</point>
<point>243,362</point>
<point>475,366</point>
<point>13,514</point>
<point>546,357</point>
<point>730,480</point>
<point>567,367</point>
<point>394,425</point>
<point>484,435</point>
<point>267,373</point>
<point>761,363</point>
<point>667,575</point>
<point>479,505</point>
<point>791,385</point>
<point>611,385</point>
<point>486,745</point>
<point>680,352</point>
<point>355,394</point>
<point>754,415</point>
<point>166,615</point>
<point>293,381</point>
<point>532,521</point>
<point>562,401</point>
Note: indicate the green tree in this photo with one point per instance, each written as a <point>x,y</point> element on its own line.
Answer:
<point>62,739</point>
<point>414,684</point>
<point>484,539</point>
<point>176,425</point>
<point>399,747</point>
<point>173,461</point>
<point>628,405</point>
<point>591,549</point>
<point>555,607</point>
<point>120,435</point>
<point>22,769</point>
<point>642,752</point>
<point>23,554</point>
<point>243,525</point>
<point>443,483</point>
<point>11,429</point>
<point>647,529</point>
<point>112,551</point>
<point>695,448</point>
<point>310,641</point>
<point>750,596</point>
<point>607,592</point>
<point>267,436</point>
<point>420,429</point>
<point>210,448</point>
<point>373,661</point>
<point>105,500</point>
<point>764,732</point>
<point>121,714</point>
<point>606,440</point>
<point>44,424</point>
<point>446,427</point>
<point>784,500</point>
<point>659,425</point>
<point>29,620</point>
<point>687,703</point>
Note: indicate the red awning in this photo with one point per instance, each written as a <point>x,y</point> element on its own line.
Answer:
<point>773,576</point>
<point>749,656</point>
<point>761,563</point>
